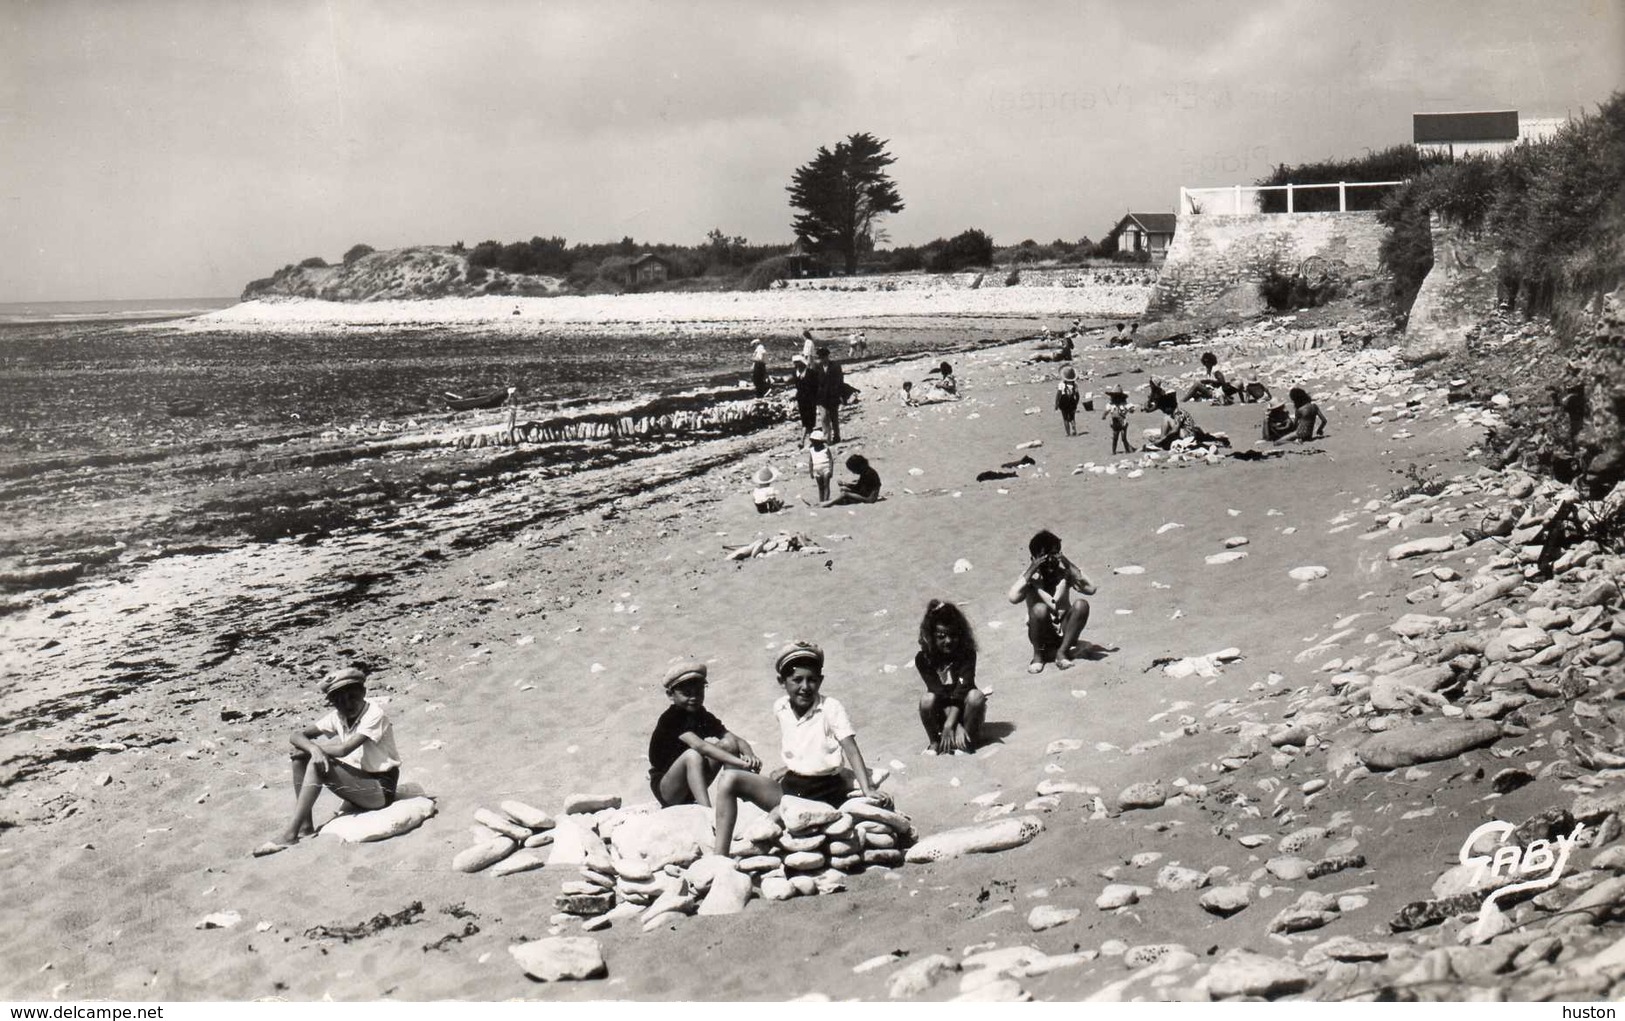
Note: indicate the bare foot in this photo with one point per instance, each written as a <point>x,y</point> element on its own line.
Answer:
<point>269,847</point>
<point>1035,667</point>
<point>1062,663</point>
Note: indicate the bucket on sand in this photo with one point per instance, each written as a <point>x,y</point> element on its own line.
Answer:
<point>1089,403</point>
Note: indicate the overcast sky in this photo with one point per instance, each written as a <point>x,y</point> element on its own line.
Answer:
<point>180,148</point>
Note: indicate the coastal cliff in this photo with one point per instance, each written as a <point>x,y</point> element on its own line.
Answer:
<point>425,271</point>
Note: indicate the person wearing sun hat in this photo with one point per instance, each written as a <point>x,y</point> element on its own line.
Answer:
<point>816,738</point>
<point>689,745</point>
<point>765,497</point>
<point>1117,412</point>
<point>1066,400</point>
<point>350,751</point>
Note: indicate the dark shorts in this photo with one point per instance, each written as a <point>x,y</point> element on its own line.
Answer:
<point>345,776</point>
<point>832,789</point>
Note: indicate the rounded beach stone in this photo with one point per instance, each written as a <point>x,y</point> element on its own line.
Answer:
<point>501,824</point>
<point>1244,973</point>
<point>995,835</point>
<point>561,958</point>
<point>1288,868</point>
<point>1150,953</point>
<point>539,839</point>
<point>765,830</point>
<point>586,804</point>
<point>883,856</point>
<point>804,884</point>
<point>866,811</point>
<point>677,834</point>
<point>1422,547</point>
<point>1309,573</point>
<point>1120,895</point>
<point>519,861</point>
<point>841,848</point>
<point>1228,557</point>
<point>777,888</point>
<point>841,827</point>
<point>802,816</point>
<point>1178,879</point>
<point>484,855</point>
<point>805,861</point>
<point>1048,916</point>
<point>916,977</point>
<point>759,863</point>
<point>526,816</point>
<point>363,827</point>
<point>813,842</point>
<point>1437,739</point>
<point>729,893</point>
<point>1146,794</point>
<point>1301,838</point>
<point>1225,901</point>
<point>574,845</point>
<point>584,905</point>
<point>878,839</point>
<point>706,870</point>
<point>847,862</point>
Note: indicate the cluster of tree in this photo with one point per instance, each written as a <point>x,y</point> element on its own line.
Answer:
<point>1554,209</point>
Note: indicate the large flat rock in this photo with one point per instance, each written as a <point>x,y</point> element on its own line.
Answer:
<point>1425,742</point>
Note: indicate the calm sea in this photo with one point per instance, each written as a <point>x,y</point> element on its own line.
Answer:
<point>107,311</point>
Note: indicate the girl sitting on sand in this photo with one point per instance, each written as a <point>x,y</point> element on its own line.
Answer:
<point>952,707</point>
<point>354,757</point>
<point>1307,422</point>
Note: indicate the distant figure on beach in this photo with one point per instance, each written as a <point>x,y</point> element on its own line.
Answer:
<point>831,392</point>
<point>952,708</point>
<point>765,497</point>
<point>857,345</point>
<point>690,746</point>
<point>1116,414</point>
<point>1119,338</point>
<point>820,463</point>
<point>350,751</point>
<point>816,738</point>
<point>1153,397</point>
<point>758,368</point>
<point>1305,423</point>
<point>809,346</point>
<point>805,378</point>
<point>907,396</point>
<point>865,489</point>
<point>1177,424</point>
<point>1215,387</point>
<point>945,380</point>
<point>1062,354</point>
<point>1066,400</point>
<point>1052,587</point>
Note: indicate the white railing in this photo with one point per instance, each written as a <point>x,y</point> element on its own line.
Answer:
<point>1242,198</point>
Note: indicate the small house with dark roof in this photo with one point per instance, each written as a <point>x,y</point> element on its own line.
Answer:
<point>648,268</point>
<point>1145,232</point>
<point>1482,132</point>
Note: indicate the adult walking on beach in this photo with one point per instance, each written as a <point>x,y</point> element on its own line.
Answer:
<point>809,346</point>
<point>806,381</point>
<point>758,368</point>
<point>831,390</point>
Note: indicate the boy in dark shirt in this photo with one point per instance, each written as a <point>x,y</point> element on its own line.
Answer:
<point>689,745</point>
<point>864,489</point>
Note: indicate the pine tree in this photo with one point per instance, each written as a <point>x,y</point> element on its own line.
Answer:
<point>841,195</point>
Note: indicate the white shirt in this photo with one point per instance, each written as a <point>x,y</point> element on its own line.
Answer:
<point>812,743</point>
<point>374,755</point>
<point>760,354</point>
<point>807,346</point>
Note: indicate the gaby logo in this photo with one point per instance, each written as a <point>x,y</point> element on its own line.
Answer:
<point>1543,861</point>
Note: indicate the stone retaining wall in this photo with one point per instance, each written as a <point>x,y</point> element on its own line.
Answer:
<point>1217,260</point>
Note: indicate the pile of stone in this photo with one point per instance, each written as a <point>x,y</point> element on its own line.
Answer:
<point>507,840</point>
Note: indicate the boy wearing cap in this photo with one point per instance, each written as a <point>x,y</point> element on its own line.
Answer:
<point>817,739</point>
<point>689,745</point>
<point>350,751</point>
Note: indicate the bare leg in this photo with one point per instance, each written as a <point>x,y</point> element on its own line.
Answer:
<point>1040,634</point>
<point>932,709</point>
<point>309,788</point>
<point>761,791</point>
<point>975,711</point>
<point>1077,615</point>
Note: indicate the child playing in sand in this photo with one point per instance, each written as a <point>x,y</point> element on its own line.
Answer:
<point>350,751</point>
<point>765,497</point>
<point>952,707</point>
<point>816,737</point>
<point>864,489</point>
<point>1055,616</point>
<point>820,463</point>
<point>1116,413</point>
<point>907,396</point>
<point>690,746</point>
<point>1066,400</point>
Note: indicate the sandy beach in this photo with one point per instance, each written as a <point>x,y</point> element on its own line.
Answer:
<point>525,666</point>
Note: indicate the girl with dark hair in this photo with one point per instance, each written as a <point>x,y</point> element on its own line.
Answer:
<point>952,708</point>
<point>1053,588</point>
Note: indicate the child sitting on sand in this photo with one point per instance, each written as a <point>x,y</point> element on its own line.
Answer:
<point>355,757</point>
<point>690,746</point>
<point>952,707</point>
<point>1066,400</point>
<point>864,489</point>
<point>816,737</point>
<point>765,497</point>
<point>1055,616</point>
<point>1117,412</point>
<point>820,463</point>
<point>907,395</point>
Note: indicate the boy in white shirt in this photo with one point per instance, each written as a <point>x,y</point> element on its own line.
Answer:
<point>817,739</point>
<point>350,751</point>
